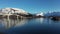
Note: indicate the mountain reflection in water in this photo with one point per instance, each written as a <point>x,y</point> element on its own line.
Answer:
<point>32,26</point>
<point>14,22</point>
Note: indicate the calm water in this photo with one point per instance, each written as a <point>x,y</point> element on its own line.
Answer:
<point>29,26</point>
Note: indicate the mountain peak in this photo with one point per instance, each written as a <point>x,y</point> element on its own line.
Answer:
<point>13,10</point>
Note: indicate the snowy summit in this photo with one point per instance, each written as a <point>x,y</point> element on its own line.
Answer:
<point>13,10</point>
<point>40,14</point>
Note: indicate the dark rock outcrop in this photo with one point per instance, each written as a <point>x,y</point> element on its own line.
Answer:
<point>55,18</point>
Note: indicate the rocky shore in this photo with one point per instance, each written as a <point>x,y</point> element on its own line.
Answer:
<point>55,18</point>
<point>20,16</point>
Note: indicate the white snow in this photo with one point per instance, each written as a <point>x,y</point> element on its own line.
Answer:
<point>41,14</point>
<point>11,10</point>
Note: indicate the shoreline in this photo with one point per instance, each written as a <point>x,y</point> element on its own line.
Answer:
<point>28,17</point>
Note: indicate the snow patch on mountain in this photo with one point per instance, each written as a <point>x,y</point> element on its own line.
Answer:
<point>40,14</point>
<point>13,10</point>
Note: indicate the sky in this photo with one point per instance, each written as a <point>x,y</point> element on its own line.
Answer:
<point>32,6</point>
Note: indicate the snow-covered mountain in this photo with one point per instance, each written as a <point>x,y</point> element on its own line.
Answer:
<point>40,14</point>
<point>21,11</point>
<point>13,10</point>
<point>52,14</point>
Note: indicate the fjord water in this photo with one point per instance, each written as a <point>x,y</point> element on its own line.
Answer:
<point>29,26</point>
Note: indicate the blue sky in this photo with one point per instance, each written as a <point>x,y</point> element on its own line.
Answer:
<point>32,6</point>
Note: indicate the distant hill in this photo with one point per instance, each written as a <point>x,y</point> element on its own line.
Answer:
<point>52,14</point>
